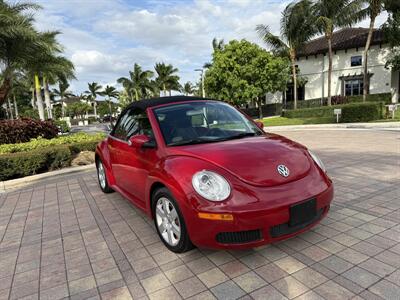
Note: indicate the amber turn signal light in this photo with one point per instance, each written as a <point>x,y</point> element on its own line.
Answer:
<point>220,217</point>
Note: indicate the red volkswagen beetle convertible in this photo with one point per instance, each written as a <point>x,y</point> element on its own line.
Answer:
<point>209,176</point>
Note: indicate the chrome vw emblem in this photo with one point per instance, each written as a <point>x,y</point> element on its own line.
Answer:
<point>283,170</point>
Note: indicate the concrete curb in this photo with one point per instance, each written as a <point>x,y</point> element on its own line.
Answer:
<point>19,182</point>
<point>380,125</point>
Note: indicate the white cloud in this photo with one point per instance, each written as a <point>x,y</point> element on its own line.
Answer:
<point>105,38</point>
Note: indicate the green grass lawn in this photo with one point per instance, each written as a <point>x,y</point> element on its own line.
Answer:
<point>282,121</point>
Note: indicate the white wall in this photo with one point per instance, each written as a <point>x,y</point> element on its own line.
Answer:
<point>315,68</point>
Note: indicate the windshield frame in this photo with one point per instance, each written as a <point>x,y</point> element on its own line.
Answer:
<point>257,130</point>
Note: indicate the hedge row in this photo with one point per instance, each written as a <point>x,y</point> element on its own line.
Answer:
<point>318,102</point>
<point>354,112</point>
<point>268,110</point>
<point>21,164</point>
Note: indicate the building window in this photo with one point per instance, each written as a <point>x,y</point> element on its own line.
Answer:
<point>356,61</point>
<point>353,87</point>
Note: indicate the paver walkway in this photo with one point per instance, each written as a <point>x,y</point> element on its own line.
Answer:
<point>64,238</point>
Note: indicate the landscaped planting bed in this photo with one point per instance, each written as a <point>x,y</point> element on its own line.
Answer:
<point>41,155</point>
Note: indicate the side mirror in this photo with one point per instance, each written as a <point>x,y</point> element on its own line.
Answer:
<point>260,124</point>
<point>141,141</point>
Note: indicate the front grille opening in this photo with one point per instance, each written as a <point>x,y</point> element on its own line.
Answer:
<point>239,237</point>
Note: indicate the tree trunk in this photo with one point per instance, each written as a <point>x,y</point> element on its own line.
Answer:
<point>294,74</point>
<point>33,98</point>
<point>5,90</point>
<point>62,109</point>
<point>365,58</point>
<point>329,69</point>
<point>95,108</point>
<point>259,103</point>
<point>47,98</point>
<point>10,109</point>
<point>39,98</point>
<point>110,107</point>
<point>15,107</point>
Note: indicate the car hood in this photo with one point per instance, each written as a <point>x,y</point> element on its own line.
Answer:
<point>253,160</point>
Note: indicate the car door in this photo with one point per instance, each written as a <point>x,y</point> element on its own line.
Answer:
<point>132,165</point>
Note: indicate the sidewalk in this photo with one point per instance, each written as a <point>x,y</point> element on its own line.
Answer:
<point>6,186</point>
<point>377,125</point>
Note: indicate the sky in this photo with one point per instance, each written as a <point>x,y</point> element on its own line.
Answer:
<point>104,38</point>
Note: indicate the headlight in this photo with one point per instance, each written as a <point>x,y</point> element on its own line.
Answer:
<point>317,160</point>
<point>211,186</point>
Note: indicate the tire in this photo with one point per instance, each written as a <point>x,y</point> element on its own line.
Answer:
<point>102,177</point>
<point>169,224</point>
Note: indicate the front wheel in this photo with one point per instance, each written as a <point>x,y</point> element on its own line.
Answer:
<point>169,222</point>
<point>102,177</point>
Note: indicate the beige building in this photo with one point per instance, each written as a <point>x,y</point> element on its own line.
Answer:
<point>347,75</point>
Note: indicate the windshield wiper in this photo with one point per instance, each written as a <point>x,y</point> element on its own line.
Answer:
<point>239,136</point>
<point>191,142</point>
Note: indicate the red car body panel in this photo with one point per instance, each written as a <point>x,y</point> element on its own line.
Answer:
<point>260,198</point>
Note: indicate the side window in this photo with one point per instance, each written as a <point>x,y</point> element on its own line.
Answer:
<point>119,130</point>
<point>133,122</point>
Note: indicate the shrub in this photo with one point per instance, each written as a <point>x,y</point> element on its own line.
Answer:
<point>83,146</point>
<point>317,112</point>
<point>72,139</point>
<point>268,110</point>
<point>362,112</point>
<point>23,130</point>
<point>62,125</point>
<point>383,97</point>
<point>354,112</point>
<point>15,165</point>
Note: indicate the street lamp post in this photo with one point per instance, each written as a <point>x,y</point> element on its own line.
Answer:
<point>203,92</point>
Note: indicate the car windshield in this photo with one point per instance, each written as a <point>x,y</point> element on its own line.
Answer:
<point>203,122</point>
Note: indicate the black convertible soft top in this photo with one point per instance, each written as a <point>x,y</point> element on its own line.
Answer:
<point>144,104</point>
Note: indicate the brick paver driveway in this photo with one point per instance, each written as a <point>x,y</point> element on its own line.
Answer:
<point>65,238</point>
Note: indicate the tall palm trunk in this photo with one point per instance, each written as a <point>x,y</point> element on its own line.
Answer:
<point>95,108</point>
<point>47,98</point>
<point>15,107</point>
<point>10,108</point>
<point>39,98</point>
<point>294,74</point>
<point>5,88</point>
<point>329,38</point>
<point>365,58</point>
<point>33,97</point>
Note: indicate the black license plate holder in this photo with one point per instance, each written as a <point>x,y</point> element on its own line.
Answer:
<point>303,212</point>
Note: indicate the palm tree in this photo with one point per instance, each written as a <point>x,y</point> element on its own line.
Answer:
<point>166,78</point>
<point>372,10</point>
<point>110,92</point>
<point>217,45</point>
<point>187,88</point>
<point>330,15</point>
<point>63,93</point>
<point>18,42</point>
<point>93,92</point>
<point>139,84</point>
<point>60,68</point>
<point>296,29</point>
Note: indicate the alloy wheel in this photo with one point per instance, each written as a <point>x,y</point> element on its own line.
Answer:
<point>167,221</point>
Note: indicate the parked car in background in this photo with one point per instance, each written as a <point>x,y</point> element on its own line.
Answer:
<point>210,176</point>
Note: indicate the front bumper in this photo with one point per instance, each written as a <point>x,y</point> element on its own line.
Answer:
<point>256,225</point>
